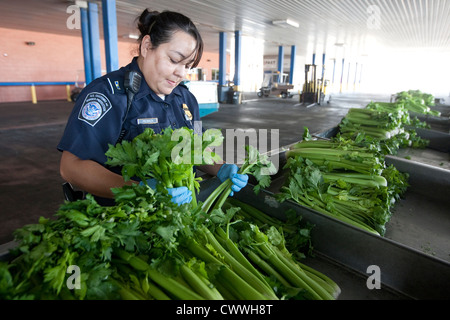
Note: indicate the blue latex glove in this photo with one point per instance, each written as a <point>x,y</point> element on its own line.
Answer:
<point>229,171</point>
<point>179,195</point>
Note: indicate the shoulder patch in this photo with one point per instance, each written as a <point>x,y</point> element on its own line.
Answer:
<point>94,107</point>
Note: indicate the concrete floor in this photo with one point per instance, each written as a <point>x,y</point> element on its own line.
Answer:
<point>30,184</point>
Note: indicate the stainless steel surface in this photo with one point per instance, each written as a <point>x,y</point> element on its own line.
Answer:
<point>421,219</point>
<point>428,156</point>
<point>439,141</point>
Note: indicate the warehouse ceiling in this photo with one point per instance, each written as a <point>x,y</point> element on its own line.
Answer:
<point>334,27</point>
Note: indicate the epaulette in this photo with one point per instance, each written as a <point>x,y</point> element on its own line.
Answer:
<point>116,84</point>
<point>183,84</point>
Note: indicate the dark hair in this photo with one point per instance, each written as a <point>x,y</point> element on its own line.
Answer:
<point>162,25</point>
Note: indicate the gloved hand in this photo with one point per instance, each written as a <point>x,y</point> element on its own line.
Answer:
<point>180,195</point>
<point>229,171</point>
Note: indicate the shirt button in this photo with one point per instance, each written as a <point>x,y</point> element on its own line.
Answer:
<point>166,105</point>
<point>174,124</point>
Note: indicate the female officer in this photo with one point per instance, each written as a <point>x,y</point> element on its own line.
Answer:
<point>169,45</point>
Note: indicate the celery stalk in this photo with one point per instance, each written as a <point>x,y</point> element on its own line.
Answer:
<point>198,285</point>
<point>250,277</point>
<point>174,287</point>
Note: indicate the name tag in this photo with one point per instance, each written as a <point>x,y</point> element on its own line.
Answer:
<point>147,121</point>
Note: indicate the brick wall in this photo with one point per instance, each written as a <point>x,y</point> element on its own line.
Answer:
<point>55,58</point>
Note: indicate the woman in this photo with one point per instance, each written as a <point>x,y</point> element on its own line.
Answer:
<point>169,45</point>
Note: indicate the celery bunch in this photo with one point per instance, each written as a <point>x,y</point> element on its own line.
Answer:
<point>383,123</point>
<point>339,178</point>
<point>146,247</point>
<point>168,157</point>
<point>417,102</point>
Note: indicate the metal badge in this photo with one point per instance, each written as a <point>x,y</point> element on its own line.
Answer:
<point>187,112</point>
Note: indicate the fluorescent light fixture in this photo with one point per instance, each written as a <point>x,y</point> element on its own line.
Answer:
<point>130,36</point>
<point>286,22</point>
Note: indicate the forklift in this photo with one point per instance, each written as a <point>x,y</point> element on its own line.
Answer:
<point>272,86</point>
<point>313,89</point>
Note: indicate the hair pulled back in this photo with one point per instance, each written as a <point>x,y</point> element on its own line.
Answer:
<point>160,26</point>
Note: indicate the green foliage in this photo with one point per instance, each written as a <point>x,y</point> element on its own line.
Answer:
<point>168,157</point>
<point>388,125</point>
<point>147,247</point>
<point>291,231</point>
<point>344,179</point>
<point>417,102</point>
<point>255,164</point>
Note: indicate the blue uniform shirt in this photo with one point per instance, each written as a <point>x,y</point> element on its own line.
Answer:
<point>96,119</point>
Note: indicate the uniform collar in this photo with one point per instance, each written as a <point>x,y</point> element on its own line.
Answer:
<point>145,89</point>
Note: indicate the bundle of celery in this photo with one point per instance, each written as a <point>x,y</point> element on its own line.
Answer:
<point>256,165</point>
<point>338,178</point>
<point>377,123</point>
<point>417,102</point>
<point>407,137</point>
<point>338,153</point>
<point>147,247</point>
<point>382,123</point>
<point>296,233</point>
<point>267,253</point>
<point>168,157</point>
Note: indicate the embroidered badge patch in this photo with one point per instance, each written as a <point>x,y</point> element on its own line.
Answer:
<point>187,112</point>
<point>94,107</point>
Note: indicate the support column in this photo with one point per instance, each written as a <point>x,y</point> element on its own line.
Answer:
<point>86,45</point>
<point>110,34</point>
<point>323,66</point>
<point>342,74</point>
<point>360,76</point>
<point>237,59</point>
<point>322,81</point>
<point>293,57</point>
<point>222,66</point>
<point>280,63</point>
<point>334,71</point>
<point>314,73</point>
<point>348,74</point>
<point>94,40</point>
<point>356,75</point>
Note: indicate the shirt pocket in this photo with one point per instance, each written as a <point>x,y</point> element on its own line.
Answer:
<point>187,123</point>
